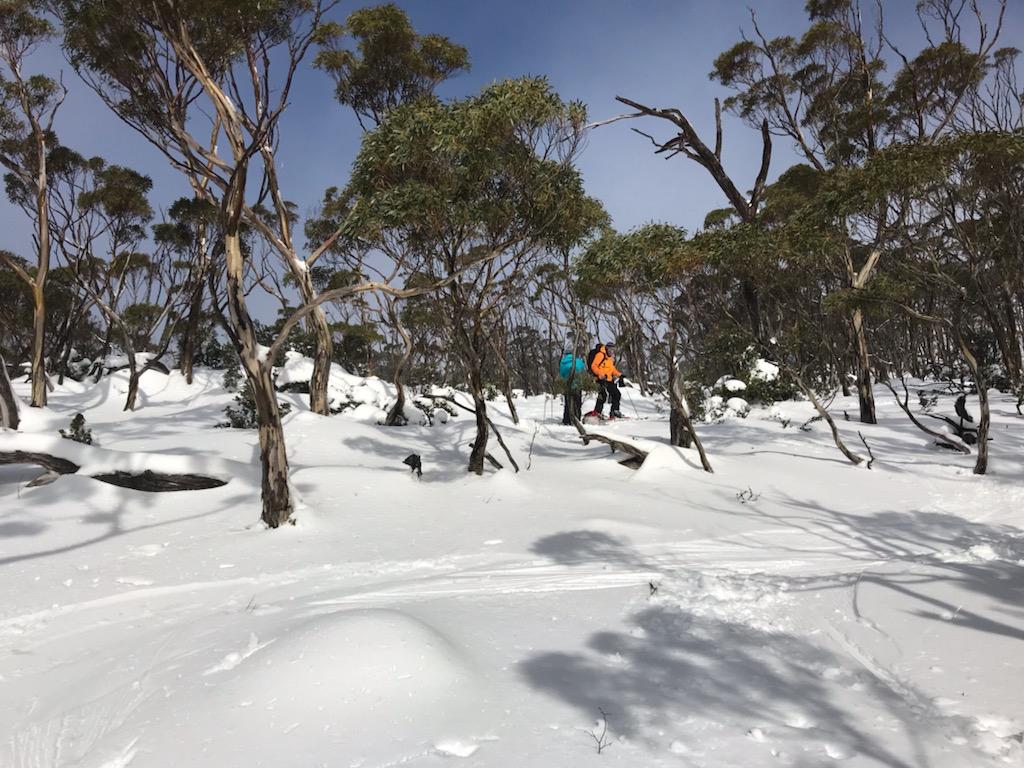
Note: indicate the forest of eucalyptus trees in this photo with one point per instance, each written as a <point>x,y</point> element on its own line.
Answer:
<point>462,249</point>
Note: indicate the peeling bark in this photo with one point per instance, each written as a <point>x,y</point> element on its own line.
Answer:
<point>9,417</point>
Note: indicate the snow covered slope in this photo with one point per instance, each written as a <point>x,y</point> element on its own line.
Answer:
<point>789,610</point>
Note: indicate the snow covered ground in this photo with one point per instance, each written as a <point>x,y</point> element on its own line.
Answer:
<point>789,610</point>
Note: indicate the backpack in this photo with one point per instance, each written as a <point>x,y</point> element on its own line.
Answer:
<point>593,356</point>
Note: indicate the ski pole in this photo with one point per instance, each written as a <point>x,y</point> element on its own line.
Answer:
<point>631,405</point>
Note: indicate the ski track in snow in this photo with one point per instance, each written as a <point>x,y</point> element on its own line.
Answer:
<point>456,576</point>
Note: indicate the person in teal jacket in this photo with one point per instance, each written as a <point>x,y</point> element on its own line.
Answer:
<point>572,375</point>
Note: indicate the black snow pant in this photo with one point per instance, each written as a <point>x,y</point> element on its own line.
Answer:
<point>573,398</point>
<point>608,391</point>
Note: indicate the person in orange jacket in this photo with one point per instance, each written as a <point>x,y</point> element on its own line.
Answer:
<point>602,365</point>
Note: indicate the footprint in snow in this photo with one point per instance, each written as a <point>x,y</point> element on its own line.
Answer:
<point>838,751</point>
<point>800,720</point>
<point>148,550</point>
<point>455,748</point>
<point>235,658</point>
<point>134,581</point>
<point>678,748</point>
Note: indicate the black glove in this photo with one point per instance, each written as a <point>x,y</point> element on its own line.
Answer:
<point>622,381</point>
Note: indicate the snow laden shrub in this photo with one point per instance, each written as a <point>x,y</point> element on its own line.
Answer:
<point>241,413</point>
<point>78,431</point>
<point>729,356</point>
<point>78,367</point>
<point>435,411</point>
<point>216,354</point>
<point>727,352</point>
<point>718,408</point>
<point>766,384</point>
<point>232,378</point>
<point>298,387</point>
<point>337,407</point>
<point>761,384</point>
<point>996,377</point>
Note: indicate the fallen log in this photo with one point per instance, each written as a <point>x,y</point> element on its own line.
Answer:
<point>154,482</point>
<point>638,455</point>
<point>44,460</point>
<point>149,481</point>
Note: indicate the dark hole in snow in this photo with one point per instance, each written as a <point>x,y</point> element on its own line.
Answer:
<point>154,482</point>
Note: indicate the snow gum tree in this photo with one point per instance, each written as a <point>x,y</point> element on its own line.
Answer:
<point>390,65</point>
<point>190,235</point>
<point>479,189</point>
<point>826,92</point>
<point>28,106</point>
<point>961,206</point>
<point>195,77</point>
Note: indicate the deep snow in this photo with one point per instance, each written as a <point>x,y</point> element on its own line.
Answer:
<point>788,610</point>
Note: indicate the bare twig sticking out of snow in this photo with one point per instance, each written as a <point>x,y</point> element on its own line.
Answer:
<point>603,740</point>
<point>529,456</point>
<point>748,495</point>
<point>806,426</point>
<point>871,456</point>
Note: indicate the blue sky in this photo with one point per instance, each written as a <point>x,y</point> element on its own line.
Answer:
<point>656,51</point>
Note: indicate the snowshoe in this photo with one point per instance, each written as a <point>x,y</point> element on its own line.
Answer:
<point>593,418</point>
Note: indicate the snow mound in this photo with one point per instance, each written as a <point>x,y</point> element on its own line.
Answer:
<point>364,398</point>
<point>734,385</point>
<point>120,360</point>
<point>718,409</point>
<point>297,369</point>
<point>372,686</point>
<point>666,460</point>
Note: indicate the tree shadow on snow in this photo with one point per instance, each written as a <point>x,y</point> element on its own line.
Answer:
<point>674,665</point>
<point>21,528</point>
<point>579,547</point>
<point>681,662</point>
<point>116,521</point>
<point>906,551</point>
